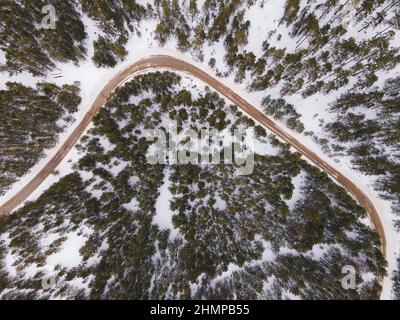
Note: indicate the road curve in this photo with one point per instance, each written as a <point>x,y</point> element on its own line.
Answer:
<point>168,62</point>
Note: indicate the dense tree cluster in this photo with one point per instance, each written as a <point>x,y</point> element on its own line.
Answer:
<point>325,59</point>
<point>28,46</point>
<point>279,108</point>
<point>107,53</point>
<point>396,282</point>
<point>30,121</point>
<point>368,139</point>
<point>328,67</point>
<point>114,16</point>
<point>222,218</point>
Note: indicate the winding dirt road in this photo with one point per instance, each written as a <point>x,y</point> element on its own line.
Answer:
<point>168,62</point>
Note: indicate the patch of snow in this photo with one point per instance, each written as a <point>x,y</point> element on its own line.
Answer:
<point>69,255</point>
<point>163,216</point>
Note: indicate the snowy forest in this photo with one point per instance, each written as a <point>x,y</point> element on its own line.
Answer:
<point>328,71</point>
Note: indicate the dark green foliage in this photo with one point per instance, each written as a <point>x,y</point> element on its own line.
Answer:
<point>396,282</point>
<point>172,22</point>
<point>113,14</point>
<point>107,53</point>
<point>291,9</point>
<point>279,109</point>
<point>29,47</point>
<point>372,138</point>
<point>223,219</point>
<point>28,123</point>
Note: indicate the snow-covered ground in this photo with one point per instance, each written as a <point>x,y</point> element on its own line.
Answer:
<point>93,79</point>
<point>163,216</point>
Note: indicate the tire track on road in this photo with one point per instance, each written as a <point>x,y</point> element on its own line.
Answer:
<point>168,62</point>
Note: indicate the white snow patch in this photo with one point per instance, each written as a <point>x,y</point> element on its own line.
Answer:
<point>69,255</point>
<point>163,216</point>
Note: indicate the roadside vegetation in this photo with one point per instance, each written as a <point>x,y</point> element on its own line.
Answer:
<point>317,51</point>
<point>30,123</point>
<point>285,238</point>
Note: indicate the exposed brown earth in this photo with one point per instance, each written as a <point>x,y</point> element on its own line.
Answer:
<point>168,62</point>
